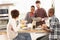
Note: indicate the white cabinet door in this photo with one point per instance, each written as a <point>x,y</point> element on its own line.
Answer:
<point>3,37</point>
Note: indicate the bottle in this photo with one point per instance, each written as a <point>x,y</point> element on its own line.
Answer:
<point>34,24</point>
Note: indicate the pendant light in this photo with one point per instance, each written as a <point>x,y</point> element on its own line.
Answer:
<point>53,5</point>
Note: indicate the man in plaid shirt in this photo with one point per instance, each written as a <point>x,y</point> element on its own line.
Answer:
<point>54,26</point>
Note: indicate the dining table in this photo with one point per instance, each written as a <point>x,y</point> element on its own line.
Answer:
<point>35,33</point>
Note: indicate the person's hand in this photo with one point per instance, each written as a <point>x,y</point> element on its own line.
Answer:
<point>39,26</point>
<point>11,27</point>
<point>44,26</point>
<point>23,21</point>
<point>39,18</point>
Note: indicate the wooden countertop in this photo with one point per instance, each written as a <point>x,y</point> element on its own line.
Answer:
<point>3,33</point>
<point>26,31</point>
<point>33,31</point>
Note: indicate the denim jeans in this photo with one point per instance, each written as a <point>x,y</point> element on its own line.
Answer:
<point>23,36</point>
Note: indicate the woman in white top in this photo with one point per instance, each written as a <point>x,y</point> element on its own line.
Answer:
<point>13,27</point>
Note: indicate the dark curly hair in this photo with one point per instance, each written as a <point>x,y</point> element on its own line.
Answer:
<point>14,13</point>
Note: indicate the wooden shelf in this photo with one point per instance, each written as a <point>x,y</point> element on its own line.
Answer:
<point>7,4</point>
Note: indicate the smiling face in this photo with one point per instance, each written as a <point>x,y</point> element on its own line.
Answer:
<point>32,9</point>
<point>51,12</point>
<point>38,5</point>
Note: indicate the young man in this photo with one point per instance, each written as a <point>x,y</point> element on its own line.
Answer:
<point>54,26</point>
<point>30,15</point>
<point>40,12</point>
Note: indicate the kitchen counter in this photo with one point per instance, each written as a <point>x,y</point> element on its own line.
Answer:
<point>33,31</point>
<point>36,33</point>
<point>27,31</point>
<point>3,32</point>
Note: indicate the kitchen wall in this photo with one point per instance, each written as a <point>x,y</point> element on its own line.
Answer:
<point>24,6</point>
